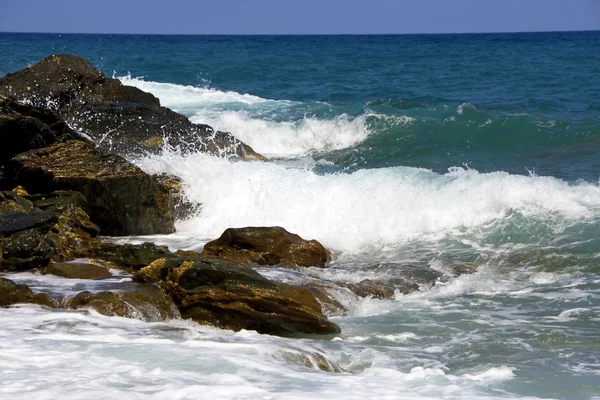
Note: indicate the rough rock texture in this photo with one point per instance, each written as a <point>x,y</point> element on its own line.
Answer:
<point>182,207</point>
<point>24,127</point>
<point>227,296</point>
<point>267,246</point>
<point>130,255</point>
<point>118,117</point>
<point>147,303</point>
<point>122,199</point>
<point>14,293</point>
<point>77,270</point>
<point>30,236</point>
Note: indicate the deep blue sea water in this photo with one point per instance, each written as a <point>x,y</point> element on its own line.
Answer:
<point>391,150</point>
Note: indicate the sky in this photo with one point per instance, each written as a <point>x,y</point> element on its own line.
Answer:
<point>297,16</point>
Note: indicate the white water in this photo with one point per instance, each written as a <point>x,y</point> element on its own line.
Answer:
<point>368,209</point>
<point>251,119</point>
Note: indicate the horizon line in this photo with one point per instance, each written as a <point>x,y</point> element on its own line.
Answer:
<point>297,34</point>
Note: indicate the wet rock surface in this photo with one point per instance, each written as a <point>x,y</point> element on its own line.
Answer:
<point>147,303</point>
<point>267,246</point>
<point>122,199</point>
<point>120,118</point>
<point>222,294</point>
<point>77,270</point>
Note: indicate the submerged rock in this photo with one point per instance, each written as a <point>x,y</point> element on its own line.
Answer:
<point>122,199</point>
<point>267,246</point>
<point>377,289</point>
<point>117,117</point>
<point>225,295</point>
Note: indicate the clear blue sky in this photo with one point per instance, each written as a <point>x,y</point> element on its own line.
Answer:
<point>297,16</point>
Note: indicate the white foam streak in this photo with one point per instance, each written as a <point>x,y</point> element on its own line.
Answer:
<point>368,208</point>
<point>289,138</point>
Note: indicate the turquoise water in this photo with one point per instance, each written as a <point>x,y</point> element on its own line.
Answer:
<point>392,151</point>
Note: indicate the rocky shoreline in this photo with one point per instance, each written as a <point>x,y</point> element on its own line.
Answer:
<point>65,183</point>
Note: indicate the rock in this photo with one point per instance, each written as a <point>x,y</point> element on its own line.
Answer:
<point>130,255</point>
<point>376,289</point>
<point>122,199</point>
<point>70,206</point>
<point>24,127</point>
<point>182,208</point>
<point>25,250</point>
<point>19,221</point>
<point>77,270</point>
<point>12,202</point>
<point>147,303</point>
<point>225,295</point>
<point>464,268</point>
<point>267,246</point>
<point>117,117</point>
<point>14,293</point>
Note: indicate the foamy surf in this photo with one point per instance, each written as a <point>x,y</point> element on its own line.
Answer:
<point>373,208</point>
<point>275,128</point>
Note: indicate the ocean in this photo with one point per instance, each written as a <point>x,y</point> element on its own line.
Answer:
<point>391,150</point>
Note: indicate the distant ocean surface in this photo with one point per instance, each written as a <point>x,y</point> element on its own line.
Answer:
<point>392,151</point>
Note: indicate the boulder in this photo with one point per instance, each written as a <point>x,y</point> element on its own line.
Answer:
<point>147,303</point>
<point>120,118</point>
<point>77,270</point>
<point>122,199</point>
<point>267,246</point>
<point>14,293</point>
<point>225,295</point>
<point>25,250</point>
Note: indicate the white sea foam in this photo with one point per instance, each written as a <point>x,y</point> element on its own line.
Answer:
<point>244,116</point>
<point>374,208</point>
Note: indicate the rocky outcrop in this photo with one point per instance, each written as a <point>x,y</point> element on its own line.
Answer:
<point>119,118</point>
<point>23,127</point>
<point>267,246</point>
<point>222,294</point>
<point>121,198</point>
<point>182,207</point>
<point>146,302</point>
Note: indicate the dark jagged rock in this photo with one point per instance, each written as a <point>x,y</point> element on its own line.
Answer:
<point>225,295</point>
<point>77,270</point>
<point>122,199</point>
<point>70,206</point>
<point>130,255</point>
<point>24,127</point>
<point>267,246</point>
<point>14,293</point>
<point>117,117</point>
<point>12,202</point>
<point>147,303</point>
<point>16,222</point>
<point>182,208</point>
